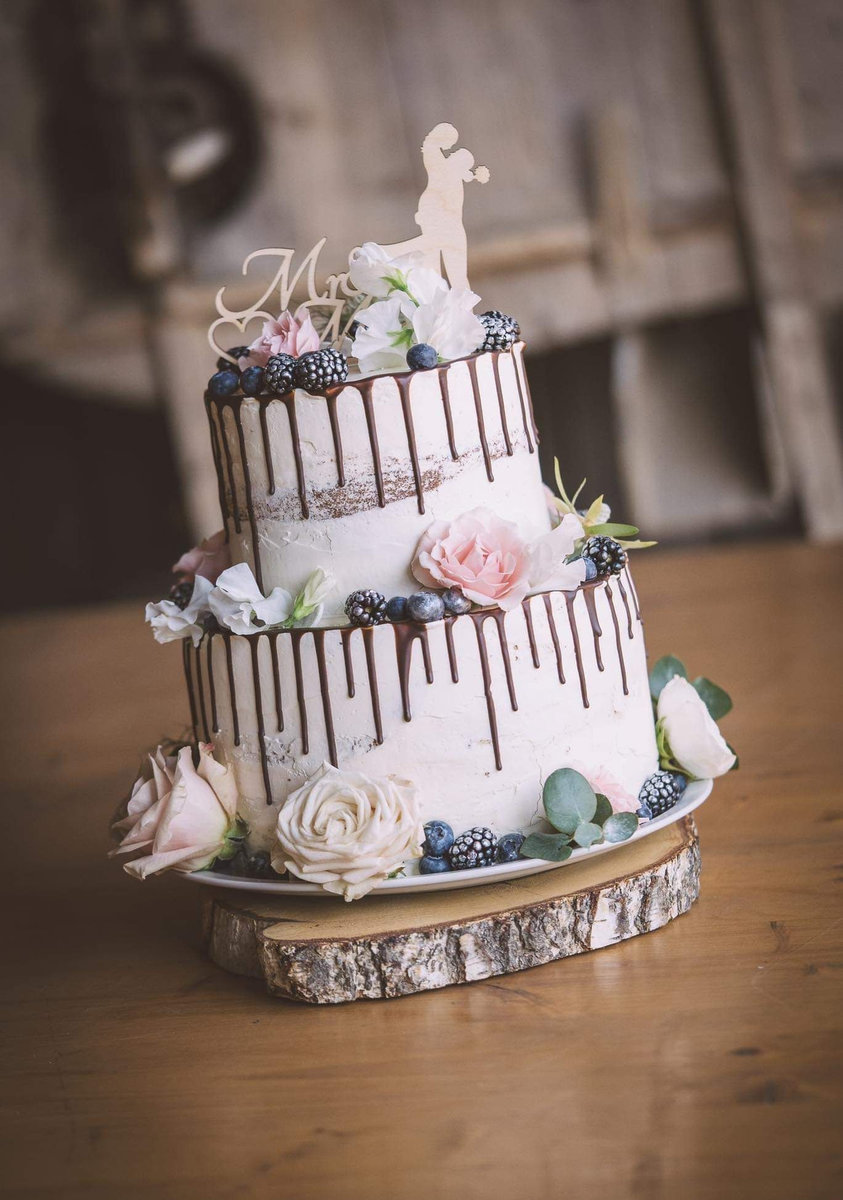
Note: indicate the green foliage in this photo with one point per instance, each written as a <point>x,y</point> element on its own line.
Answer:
<point>587,833</point>
<point>663,671</point>
<point>612,530</point>
<point>554,847</point>
<point>713,697</point>
<point>620,826</point>
<point>568,799</point>
<point>604,809</point>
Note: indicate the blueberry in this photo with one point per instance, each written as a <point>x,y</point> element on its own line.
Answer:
<point>396,608</point>
<point>224,382</point>
<point>590,569</point>
<point>438,838</point>
<point>421,357</point>
<point>236,352</point>
<point>425,607</point>
<point>431,866</point>
<point>509,847</point>
<point>455,602</point>
<point>252,381</point>
<point>680,780</point>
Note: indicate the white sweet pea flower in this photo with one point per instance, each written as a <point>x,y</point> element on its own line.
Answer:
<point>238,603</point>
<point>307,607</point>
<point>548,568</point>
<point>383,336</point>
<point>694,740</point>
<point>169,622</point>
<point>374,272</point>
<point>447,323</point>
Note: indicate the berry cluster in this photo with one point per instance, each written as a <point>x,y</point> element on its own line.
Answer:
<point>477,847</point>
<point>314,372</point>
<point>607,556</point>
<point>502,332</point>
<point>366,608</point>
<point>660,793</point>
<point>422,607</point>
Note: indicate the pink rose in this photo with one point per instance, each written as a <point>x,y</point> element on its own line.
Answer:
<point>604,783</point>
<point>288,334</point>
<point>209,559</point>
<point>181,815</point>
<point>482,555</point>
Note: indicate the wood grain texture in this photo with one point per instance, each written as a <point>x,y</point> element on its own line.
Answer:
<point>701,1062</point>
<point>399,946</point>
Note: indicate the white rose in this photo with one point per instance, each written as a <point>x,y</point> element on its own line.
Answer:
<point>181,815</point>
<point>447,323</point>
<point>548,568</point>
<point>238,603</point>
<point>346,831</point>
<point>169,622</point>
<point>694,739</point>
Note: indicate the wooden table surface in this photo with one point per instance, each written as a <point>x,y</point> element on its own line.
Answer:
<point>699,1061</point>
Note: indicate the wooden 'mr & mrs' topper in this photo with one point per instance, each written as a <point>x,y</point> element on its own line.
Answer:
<point>441,244</point>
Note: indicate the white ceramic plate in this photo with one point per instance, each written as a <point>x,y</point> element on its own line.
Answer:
<point>694,795</point>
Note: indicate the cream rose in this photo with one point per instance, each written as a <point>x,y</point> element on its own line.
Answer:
<point>694,740</point>
<point>346,831</point>
<point>184,816</point>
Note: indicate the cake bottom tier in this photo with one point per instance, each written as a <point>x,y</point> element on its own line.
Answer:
<point>477,710</point>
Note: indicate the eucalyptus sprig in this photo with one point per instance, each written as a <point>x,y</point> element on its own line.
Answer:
<point>595,519</point>
<point>580,816</point>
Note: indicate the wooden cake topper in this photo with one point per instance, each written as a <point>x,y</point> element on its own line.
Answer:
<point>441,242</point>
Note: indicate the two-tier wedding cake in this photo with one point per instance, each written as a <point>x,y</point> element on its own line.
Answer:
<point>402,651</point>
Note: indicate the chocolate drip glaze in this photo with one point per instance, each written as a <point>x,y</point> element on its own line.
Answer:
<point>633,593</point>
<point>597,632</point>
<point>499,617</point>
<point>254,647</point>
<point>570,597</point>
<point>452,653</point>
<point>405,635</point>
<point>345,635</point>
<point>521,376</point>
<point>481,423</point>
<point>215,724</point>
<point>527,421</point>
<point>368,409</point>
<point>331,401</point>
<point>404,382</point>
<point>446,404</point>
<point>554,636</point>
<point>217,456</point>
<point>185,658</point>
<point>229,466</point>
<point>496,370</point>
<point>263,412</point>
<point>327,711</point>
<point>232,690</point>
<point>531,633</point>
<point>237,413</point>
<point>201,691</point>
<point>290,405</point>
<point>276,680</point>
<point>296,637</point>
<point>622,591</point>
<point>618,642</point>
<point>374,690</point>
<point>482,650</point>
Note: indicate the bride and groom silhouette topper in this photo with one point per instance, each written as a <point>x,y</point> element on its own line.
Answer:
<point>441,243</point>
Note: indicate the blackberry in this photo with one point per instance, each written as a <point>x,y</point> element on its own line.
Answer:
<point>318,370</point>
<point>180,593</point>
<point>280,373</point>
<point>502,332</point>
<point>659,793</point>
<point>476,847</point>
<point>608,556</point>
<point>366,608</point>
<point>236,352</point>
<point>421,357</point>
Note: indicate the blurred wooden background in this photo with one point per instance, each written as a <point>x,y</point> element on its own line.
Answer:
<point>665,218</point>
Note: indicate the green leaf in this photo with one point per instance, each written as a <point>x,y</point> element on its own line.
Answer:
<point>663,671</point>
<point>568,799</point>
<point>635,545</point>
<point>713,697</point>
<point>620,826</point>
<point>604,809</point>
<point>591,513</point>
<point>612,530</point>
<point>551,846</point>
<point>587,833</point>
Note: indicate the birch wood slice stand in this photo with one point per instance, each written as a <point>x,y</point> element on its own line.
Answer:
<point>324,951</point>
